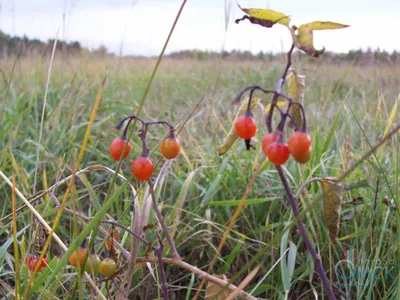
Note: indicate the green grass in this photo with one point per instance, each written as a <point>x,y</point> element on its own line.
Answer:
<point>345,116</point>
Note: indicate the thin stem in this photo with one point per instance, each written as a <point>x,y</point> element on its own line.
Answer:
<point>4,294</point>
<point>162,223</point>
<point>143,134</point>
<point>265,91</point>
<point>277,93</point>
<point>159,252</point>
<point>171,127</point>
<point>375,203</point>
<point>200,273</point>
<point>317,261</point>
<point>288,64</point>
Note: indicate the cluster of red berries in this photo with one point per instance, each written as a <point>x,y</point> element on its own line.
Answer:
<point>142,166</point>
<point>32,261</point>
<point>278,152</point>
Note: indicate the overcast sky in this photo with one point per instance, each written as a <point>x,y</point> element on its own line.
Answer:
<point>143,25</point>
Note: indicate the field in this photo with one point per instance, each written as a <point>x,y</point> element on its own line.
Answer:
<point>348,110</point>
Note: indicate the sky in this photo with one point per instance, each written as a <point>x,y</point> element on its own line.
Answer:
<point>141,27</point>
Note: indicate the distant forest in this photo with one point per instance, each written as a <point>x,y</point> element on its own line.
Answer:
<point>33,47</point>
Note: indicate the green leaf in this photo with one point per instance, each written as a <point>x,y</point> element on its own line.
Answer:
<point>236,202</point>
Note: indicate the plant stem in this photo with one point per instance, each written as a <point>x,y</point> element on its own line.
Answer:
<point>200,273</point>
<point>159,252</point>
<point>160,218</point>
<point>316,258</point>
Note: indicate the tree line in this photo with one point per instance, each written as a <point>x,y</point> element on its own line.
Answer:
<point>9,45</point>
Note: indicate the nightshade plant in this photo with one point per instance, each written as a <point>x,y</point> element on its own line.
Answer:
<point>293,117</point>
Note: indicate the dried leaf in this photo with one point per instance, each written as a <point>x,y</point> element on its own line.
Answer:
<point>213,289</point>
<point>268,17</point>
<point>333,193</point>
<point>304,39</point>
<point>264,17</point>
<point>296,84</point>
<point>232,137</point>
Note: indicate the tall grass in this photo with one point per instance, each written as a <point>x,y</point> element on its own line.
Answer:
<point>345,115</point>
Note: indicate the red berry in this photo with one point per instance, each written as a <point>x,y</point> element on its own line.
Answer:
<point>108,267</point>
<point>142,168</point>
<point>278,153</point>
<point>299,143</point>
<point>303,158</point>
<point>246,127</point>
<point>117,147</point>
<point>32,264</point>
<point>44,262</point>
<point>29,258</point>
<point>170,147</point>
<point>35,262</point>
<point>268,139</point>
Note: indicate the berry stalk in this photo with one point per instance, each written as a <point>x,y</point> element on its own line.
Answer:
<point>316,258</point>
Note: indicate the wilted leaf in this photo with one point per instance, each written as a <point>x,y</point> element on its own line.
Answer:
<point>304,39</point>
<point>333,193</point>
<point>296,84</point>
<point>264,17</point>
<point>232,137</point>
<point>213,289</point>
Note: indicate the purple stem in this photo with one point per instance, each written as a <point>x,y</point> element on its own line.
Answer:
<point>159,252</point>
<point>317,261</point>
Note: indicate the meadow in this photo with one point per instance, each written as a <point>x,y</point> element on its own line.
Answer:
<point>348,110</point>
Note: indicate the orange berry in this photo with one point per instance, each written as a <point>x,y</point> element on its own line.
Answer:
<point>170,147</point>
<point>78,255</point>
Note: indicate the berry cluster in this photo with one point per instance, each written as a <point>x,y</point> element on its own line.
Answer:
<point>94,265</point>
<point>142,166</point>
<point>273,145</point>
<point>32,261</point>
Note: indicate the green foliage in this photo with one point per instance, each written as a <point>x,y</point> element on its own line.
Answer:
<point>200,204</point>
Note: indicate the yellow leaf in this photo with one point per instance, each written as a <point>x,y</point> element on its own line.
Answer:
<point>391,117</point>
<point>264,17</point>
<point>296,85</point>
<point>333,193</point>
<point>268,15</point>
<point>320,25</point>
<point>279,103</point>
<point>213,289</point>
<point>232,137</point>
<point>390,122</point>
<point>304,39</point>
